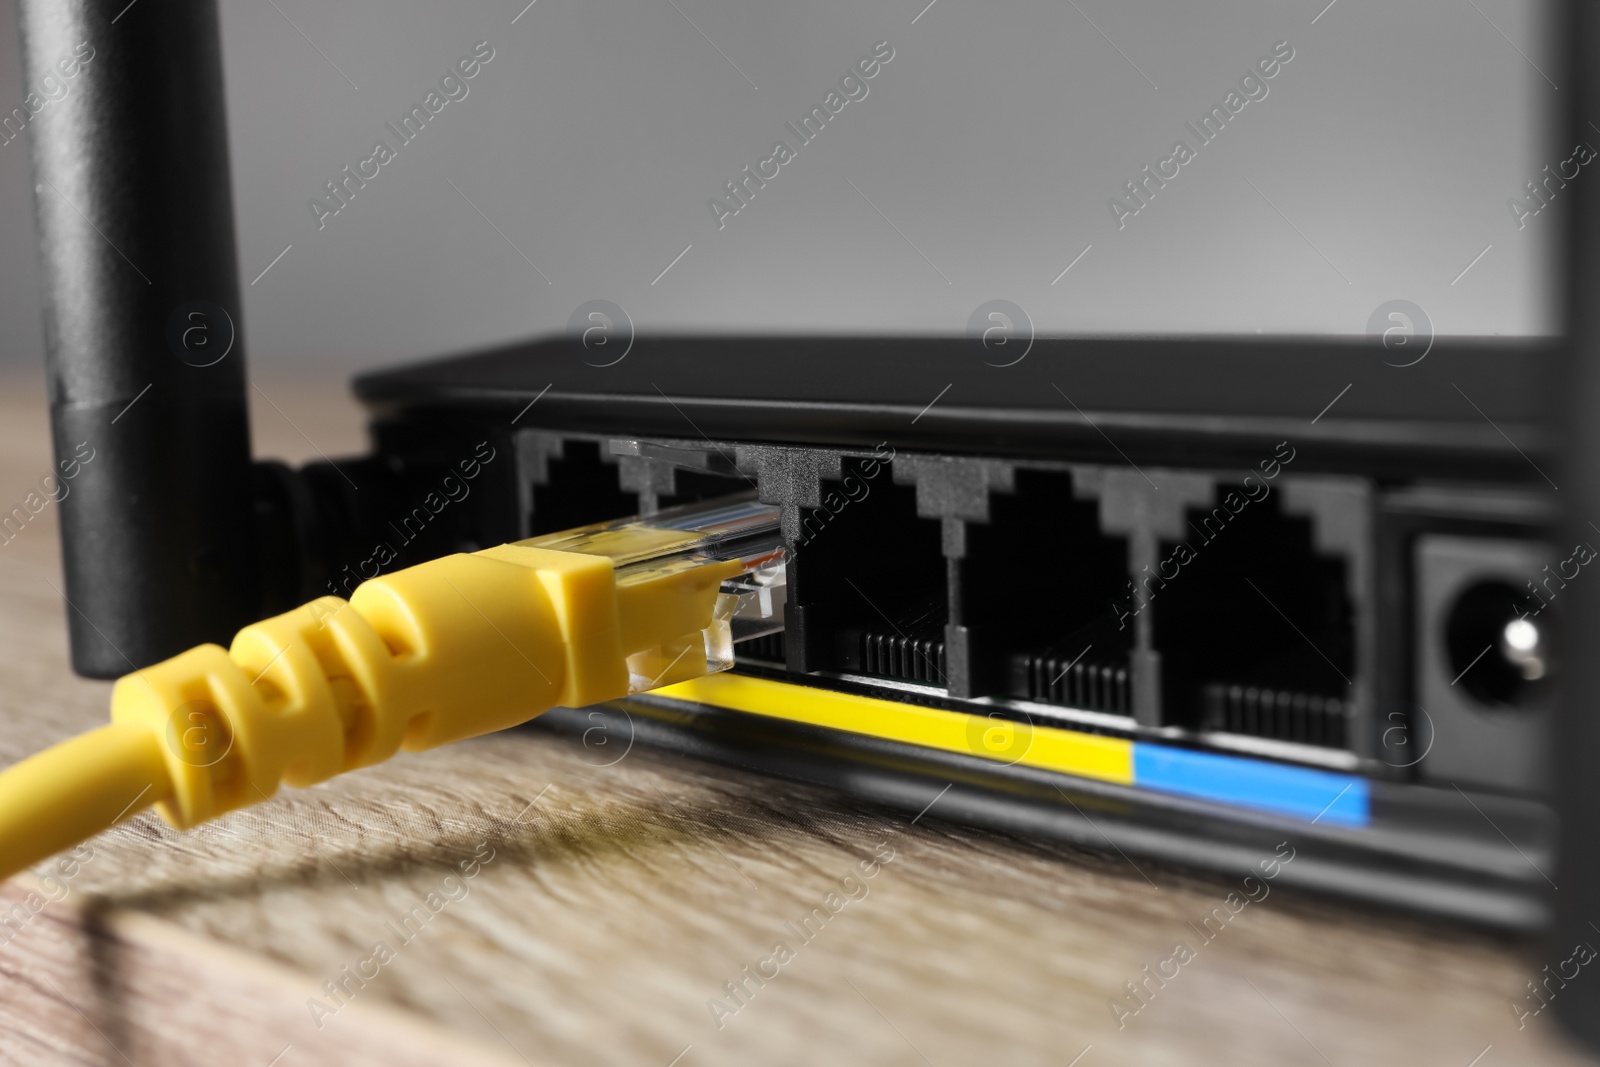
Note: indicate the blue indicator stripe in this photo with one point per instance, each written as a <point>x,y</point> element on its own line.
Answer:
<point>1322,796</point>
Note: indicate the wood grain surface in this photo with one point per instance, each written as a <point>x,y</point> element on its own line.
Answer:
<point>569,907</point>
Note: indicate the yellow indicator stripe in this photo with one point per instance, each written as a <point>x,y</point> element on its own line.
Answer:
<point>1108,759</point>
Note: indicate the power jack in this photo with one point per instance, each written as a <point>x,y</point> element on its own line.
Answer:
<point>1502,654</point>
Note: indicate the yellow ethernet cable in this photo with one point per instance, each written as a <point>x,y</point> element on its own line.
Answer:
<point>450,649</point>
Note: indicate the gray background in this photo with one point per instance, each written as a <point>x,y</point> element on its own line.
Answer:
<point>981,161</point>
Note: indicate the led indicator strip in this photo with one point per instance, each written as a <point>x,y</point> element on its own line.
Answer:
<point>1299,792</point>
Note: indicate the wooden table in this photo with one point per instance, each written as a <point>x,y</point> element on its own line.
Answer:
<point>609,905</point>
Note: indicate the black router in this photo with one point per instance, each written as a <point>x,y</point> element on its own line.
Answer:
<point>1281,589</point>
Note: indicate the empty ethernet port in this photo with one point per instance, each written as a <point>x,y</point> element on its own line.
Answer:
<point>581,488</point>
<point>868,580</point>
<point>1037,583</point>
<point>1255,628</point>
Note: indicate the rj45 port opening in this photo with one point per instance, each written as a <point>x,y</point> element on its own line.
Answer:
<point>869,580</point>
<point>578,481</point>
<point>581,487</point>
<point>1254,626</point>
<point>1036,588</point>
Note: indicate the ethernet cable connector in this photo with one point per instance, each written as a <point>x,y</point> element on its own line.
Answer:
<point>446,650</point>
<point>736,539</point>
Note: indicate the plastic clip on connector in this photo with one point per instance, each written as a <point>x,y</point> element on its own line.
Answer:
<point>439,652</point>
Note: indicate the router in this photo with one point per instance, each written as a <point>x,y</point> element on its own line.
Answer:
<point>1199,599</point>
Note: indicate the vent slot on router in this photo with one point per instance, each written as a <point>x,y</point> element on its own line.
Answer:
<point>1037,585</point>
<point>869,579</point>
<point>1255,628</point>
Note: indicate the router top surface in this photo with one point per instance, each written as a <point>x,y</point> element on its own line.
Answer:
<point>1474,401</point>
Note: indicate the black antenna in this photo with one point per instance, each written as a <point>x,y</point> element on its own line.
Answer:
<point>142,327</point>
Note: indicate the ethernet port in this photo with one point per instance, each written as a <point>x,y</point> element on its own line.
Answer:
<point>1038,584</point>
<point>1255,628</point>
<point>869,580</point>
<point>691,487</point>
<point>582,488</point>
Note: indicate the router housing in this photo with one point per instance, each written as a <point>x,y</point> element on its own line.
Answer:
<point>1190,598</point>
